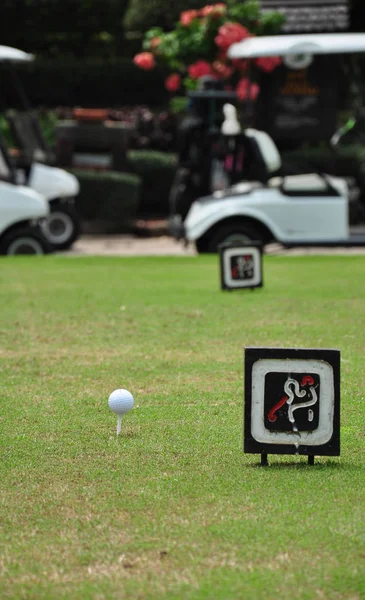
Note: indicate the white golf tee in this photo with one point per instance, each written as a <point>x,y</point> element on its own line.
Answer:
<point>119,424</point>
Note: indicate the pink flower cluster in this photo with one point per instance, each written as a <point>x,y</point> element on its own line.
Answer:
<point>173,82</point>
<point>211,10</point>
<point>221,67</point>
<point>246,90</point>
<point>268,63</point>
<point>231,33</point>
<point>199,69</point>
<point>145,60</point>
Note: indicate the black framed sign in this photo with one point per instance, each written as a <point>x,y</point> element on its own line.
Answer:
<point>292,402</point>
<point>240,265</point>
<point>299,99</point>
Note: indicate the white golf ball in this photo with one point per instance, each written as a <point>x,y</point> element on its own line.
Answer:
<point>121,401</point>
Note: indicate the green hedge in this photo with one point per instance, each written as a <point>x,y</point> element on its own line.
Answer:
<point>347,161</point>
<point>108,197</point>
<point>156,170</point>
<point>88,83</point>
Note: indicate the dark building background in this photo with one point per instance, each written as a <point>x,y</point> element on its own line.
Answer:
<point>303,104</point>
<point>311,16</point>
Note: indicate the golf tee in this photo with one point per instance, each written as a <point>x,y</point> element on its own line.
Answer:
<point>119,424</point>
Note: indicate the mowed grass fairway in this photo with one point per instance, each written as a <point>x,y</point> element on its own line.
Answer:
<point>173,508</point>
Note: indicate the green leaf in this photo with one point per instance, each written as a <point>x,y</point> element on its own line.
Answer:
<point>245,12</point>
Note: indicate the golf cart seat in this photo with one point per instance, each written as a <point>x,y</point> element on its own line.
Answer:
<point>266,155</point>
<point>309,182</point>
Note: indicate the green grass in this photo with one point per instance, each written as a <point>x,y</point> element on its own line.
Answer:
<point>173,508</point>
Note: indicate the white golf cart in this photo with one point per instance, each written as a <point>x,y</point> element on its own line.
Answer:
<point>62,226</point>
<point>21,212</point>
<point>298,210</point>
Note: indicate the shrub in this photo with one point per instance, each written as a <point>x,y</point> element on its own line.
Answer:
<point>64,27</point>
<point>156,170</point>
<point>347,161</point>
<point>109,197</point>
<point>197,46</point>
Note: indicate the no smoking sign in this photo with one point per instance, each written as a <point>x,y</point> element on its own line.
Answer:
<point>240,265</point>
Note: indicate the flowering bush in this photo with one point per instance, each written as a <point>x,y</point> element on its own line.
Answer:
<point>199,43</point>
<point>145,60</point>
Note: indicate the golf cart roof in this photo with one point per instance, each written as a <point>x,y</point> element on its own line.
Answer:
<point>14,55</point>
<point>307,43</point>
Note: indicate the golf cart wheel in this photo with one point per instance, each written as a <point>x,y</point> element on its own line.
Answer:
<point>229,233</point>
<point>24,241</point>
<point>62,226</point>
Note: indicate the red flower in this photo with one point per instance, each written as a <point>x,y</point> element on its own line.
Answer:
<point>268,63</point>
<point>240,64</point>
<point>222,55</point>
<point>222,69</point>
<point>229,34</point>
<point>213,10</point>
<point>187,16</point>
<point>172,83</point>
<point>246,90</point>
<point>199,69</point>
<point>145,60</point>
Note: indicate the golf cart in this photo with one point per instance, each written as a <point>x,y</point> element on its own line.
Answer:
<point>62,226</point>
<point>310,209</point>
<point>22,211</point>
<point>199,146</point>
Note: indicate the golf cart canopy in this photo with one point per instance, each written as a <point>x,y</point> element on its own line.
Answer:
<point>14,55</point>
<point>283,45</point>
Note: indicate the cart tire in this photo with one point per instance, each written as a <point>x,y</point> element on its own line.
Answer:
<point>228,233</point>
<point>62,226</point>
<point>22,241</point>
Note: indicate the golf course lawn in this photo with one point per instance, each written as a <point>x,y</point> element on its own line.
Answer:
<point>172,508</point>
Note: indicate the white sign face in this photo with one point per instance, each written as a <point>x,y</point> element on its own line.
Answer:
<point>242,267</point>
<point>292,401</point>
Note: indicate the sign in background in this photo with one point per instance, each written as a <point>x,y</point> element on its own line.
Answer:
<point>299,101</point>
<point>240,265</point>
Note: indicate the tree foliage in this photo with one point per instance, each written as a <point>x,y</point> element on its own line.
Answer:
<point>142,15</point>
<point>80,28</point>
<point>198,45</point>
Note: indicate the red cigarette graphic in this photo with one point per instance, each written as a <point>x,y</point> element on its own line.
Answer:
<point>272,416</point>
<point>307,379</point>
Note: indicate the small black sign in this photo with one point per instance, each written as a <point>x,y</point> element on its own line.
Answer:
<point>292,401</point>
<point>240,265</point>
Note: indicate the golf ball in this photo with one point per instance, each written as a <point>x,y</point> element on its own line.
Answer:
<point>121,401</point>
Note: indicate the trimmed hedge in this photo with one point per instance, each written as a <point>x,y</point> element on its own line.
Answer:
<point>108,197</point>
<point>88,84</point>
<point>345,161</point>
<point>157,171</point>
